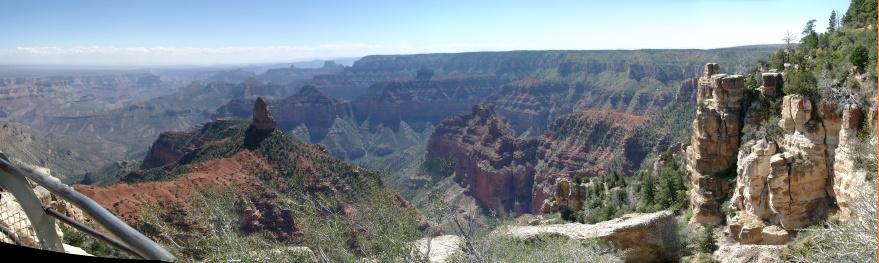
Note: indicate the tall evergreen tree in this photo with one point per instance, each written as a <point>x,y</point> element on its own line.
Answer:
<point>831,25</point>
<point>809,28</point>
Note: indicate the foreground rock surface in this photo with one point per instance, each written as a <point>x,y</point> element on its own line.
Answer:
<point>749,254</point>
<point>439,249</point>
<point>647,237</point>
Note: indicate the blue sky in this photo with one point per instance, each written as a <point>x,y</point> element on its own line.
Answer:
<point>183,32</point>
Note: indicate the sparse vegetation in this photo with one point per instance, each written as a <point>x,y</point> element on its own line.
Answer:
<point>801,82</point>
<point>88,243</point>
<point>859,56</point>
<point>646,191</point>
<point>495,248</point>
<point>847,241</point>
<point>769,130</point>
<point>438,168</point>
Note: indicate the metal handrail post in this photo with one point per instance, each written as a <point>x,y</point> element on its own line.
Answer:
<point>145,247</point>
<point>44,225</point>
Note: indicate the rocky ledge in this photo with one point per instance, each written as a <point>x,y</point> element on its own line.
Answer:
<point>647,237</point>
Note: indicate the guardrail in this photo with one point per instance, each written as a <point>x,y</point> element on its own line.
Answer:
<point>14,176</point>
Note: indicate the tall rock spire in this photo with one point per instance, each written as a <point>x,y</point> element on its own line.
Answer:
<point>262,124</point>
<point>711,156</point>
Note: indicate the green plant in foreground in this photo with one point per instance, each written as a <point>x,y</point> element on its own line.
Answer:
<point>847,241</point>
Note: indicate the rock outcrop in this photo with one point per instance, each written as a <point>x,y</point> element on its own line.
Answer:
<point>799,176</point>
<point>789,181</point>
<point>647,237</point>
<point>846,177</point>
<point>711,157</point>
<point>495,165</point>
<point>262,121</point>
<point>170,147</point>
<point>308,108</point>
<point>262,124</point>
<point>568,198</point>
<point>583,144</point>
<point>751,191</point>
<point>772,81</point>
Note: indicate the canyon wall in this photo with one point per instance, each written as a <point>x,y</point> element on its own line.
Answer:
<point>583,144</point>
<point>495,165</point>
<point>505,172</point>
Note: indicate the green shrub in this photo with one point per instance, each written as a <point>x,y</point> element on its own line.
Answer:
<point>801,82</point>
<point>438,168</point>
<point>497,248</point>
<point>859,56</point>
<point>847,241</point>
<point>778,59</point>
<point>704,241</point>
<point>88,243</point>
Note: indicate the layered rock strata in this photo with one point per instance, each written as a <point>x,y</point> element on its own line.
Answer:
<point>792,180</point>
<point>495,165</point>
<point>772,81</point>
<point>711,157</point>
<point>568,197</point>
<point>846,177</point>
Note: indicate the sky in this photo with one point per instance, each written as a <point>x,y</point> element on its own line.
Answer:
<point>219,32</point>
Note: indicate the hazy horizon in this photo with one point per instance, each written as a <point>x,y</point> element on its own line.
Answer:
<point>167,33</point>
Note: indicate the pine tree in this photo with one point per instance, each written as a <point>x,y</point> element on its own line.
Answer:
<point>859,56</point>
<point>831,25</point>
<point>648,192</point>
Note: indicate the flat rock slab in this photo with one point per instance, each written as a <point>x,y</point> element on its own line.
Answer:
<point>749,254</point>
<point>441,247</point>
<point>645,237</point>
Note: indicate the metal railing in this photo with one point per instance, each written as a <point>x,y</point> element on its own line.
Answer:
<point>14,177</point>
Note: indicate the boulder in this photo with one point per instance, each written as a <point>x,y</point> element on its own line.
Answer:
<point>775,235</point>
<point>746,229</point>
<point>750,230</point>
